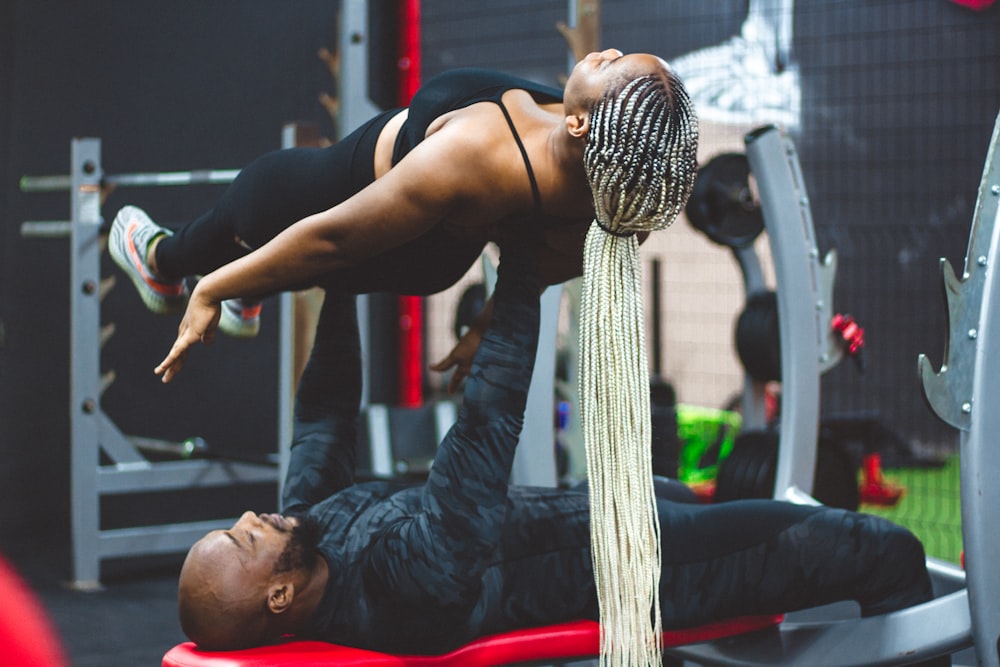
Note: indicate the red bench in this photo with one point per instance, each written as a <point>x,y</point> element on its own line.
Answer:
<point>564,641</point>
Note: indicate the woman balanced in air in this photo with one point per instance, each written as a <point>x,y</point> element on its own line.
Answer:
<point>407,202</point>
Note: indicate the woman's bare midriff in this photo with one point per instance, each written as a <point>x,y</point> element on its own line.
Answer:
<point>386,143</point>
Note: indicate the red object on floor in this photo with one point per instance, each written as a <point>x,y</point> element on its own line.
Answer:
<point>875,488</point>
<point>576,639</point>
<point>27,637</point>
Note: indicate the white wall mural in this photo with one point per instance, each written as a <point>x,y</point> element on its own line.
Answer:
<point>751,78</point>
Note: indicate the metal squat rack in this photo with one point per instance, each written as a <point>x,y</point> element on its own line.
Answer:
<point>92,432</point>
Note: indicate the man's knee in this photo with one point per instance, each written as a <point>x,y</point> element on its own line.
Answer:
<point>900,577</point>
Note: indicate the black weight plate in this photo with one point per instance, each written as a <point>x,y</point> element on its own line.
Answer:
<point>722,204</point>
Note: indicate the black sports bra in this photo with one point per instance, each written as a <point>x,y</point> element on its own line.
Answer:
<point>457,89</point>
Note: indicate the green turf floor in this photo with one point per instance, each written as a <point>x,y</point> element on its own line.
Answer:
<point>930,507</point>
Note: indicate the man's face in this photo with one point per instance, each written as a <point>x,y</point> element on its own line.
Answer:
<point>254,545</point>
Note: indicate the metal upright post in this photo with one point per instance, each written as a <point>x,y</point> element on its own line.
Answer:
<point>980,457</point>
<point>85,389</point>
<point>356,108</point>
<point>804,304</point>
<point>286,345</point>
<point>534,459</point>
<point>754,399</point>
<point>963,393</point>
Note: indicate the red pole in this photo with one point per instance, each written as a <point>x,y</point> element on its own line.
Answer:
<point>408,50</point>
<point>411,313</point>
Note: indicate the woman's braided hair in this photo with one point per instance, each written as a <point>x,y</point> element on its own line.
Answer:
<point>641,162</point>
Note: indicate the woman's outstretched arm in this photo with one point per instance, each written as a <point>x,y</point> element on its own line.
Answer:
<point>453,175</point>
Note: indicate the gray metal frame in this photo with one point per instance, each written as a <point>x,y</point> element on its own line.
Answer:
<point>91,430</point>
<point>754,402</point>
<point>355,109</point>
<point>534,459</point>
<point>808,346</point>
<point>286,347</point>
<point>963,393</point>
<point>805,297</point>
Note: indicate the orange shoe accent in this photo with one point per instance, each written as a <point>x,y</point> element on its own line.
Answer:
<point>137,261</point>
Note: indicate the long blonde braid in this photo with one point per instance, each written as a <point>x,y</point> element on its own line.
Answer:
<point>641,161</point>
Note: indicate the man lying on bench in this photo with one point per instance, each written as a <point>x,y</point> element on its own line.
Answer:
<point>424,569</point>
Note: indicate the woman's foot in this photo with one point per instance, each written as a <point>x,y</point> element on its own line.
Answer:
<point>240,318</point>
<point>132,236</point>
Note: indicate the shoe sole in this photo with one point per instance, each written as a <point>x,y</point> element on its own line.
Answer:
<point>161,299</point>
<point>237,326</point>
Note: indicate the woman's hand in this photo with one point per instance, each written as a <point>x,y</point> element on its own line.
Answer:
<point>460,358</point>
<point>200,322</point>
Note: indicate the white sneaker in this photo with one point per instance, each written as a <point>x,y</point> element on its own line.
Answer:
<point>132,232</point>
<point>240,317</point>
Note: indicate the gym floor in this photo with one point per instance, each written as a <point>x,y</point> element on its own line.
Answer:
<point>930,507</point>
<point>130,622</point>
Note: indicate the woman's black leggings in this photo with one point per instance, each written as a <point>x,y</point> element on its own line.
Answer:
<point>270,194</point>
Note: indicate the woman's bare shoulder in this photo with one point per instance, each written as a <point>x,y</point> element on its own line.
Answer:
<point>478,141</point>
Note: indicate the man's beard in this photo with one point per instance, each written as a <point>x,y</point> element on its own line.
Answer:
<point>300,553</point>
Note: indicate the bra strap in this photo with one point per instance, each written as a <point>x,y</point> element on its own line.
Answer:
<point>527,164</point>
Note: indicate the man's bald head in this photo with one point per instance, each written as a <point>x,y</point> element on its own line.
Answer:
<point>236,585</point>
<point>220,607</point>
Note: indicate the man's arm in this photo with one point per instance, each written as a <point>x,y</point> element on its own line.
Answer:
<point>325,432</point>
<point>481,444</point>
<point>439,554</point>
